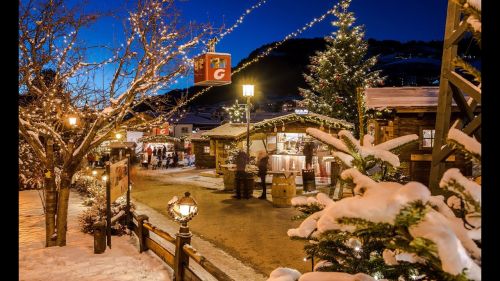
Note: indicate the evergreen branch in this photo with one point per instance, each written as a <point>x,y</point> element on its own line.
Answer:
<point>411,214</point>
<point>467,68</point>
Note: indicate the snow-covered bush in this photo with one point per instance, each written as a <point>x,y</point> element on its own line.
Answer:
<point>30,168</point>
<point>95,198</point>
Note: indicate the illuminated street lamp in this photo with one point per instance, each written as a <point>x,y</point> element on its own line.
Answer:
<point>104,178</point>
<point>182,210</point>
<point>248,91</point>
<point>118,136</point>
<point>94,173</point>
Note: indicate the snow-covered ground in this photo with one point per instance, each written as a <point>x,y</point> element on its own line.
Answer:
<point>231,266</point>
<point>77,260</point>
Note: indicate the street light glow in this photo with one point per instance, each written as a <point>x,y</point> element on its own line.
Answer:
<point>118,136</point>
<point>248,90</point>
<point>72,121</point>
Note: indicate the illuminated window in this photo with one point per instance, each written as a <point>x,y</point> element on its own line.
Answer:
<point>206,149</point>
<point>217,63</point>
<point>428,138</point>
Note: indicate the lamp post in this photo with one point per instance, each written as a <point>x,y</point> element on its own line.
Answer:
<point>248,92</point>
<point>182,210</point>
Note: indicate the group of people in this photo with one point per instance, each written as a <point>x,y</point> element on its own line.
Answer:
<point>96,159</point>
<point>157,155</point>
<point>243,178</point>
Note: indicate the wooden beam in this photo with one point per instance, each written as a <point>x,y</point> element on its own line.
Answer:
<point>206,264</point>
<point>467,108</point>
<point>159,232</point>
<point>444,100</point>
<point>462,103</point>
<point>458,34</point>
<point>161,252</point>
<point>447,150</point>
<point>466,86</point>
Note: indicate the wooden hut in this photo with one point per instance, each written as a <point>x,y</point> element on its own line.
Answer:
<point>282,137</point>
<point>399,111</point>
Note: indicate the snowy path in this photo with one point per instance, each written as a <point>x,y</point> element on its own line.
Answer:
<point>77,260</point>
<point>228,264</point>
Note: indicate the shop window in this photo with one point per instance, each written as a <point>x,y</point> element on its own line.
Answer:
<point>427,137</point>
<point>289,143</point>
<point>218,63</point>
<point>184,130</point>
<point>206,149</point>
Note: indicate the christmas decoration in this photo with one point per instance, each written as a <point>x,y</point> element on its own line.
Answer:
<point>236,112</point>
<point>336,73</point>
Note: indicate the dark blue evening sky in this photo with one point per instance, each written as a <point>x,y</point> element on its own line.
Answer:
<point>401,20</point>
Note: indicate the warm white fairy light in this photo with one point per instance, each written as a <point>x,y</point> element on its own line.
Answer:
<point>261,55</point>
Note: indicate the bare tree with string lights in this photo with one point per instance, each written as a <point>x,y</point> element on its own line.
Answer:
<point>63,113</point>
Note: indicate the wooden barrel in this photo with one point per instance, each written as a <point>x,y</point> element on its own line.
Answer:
<point>283,190</point>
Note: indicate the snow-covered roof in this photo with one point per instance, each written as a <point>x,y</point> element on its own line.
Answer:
<point>311,117</point>
<point>401,97</point>
<point>228,130</point>
<point>197,136</point>
<point>236,130</point>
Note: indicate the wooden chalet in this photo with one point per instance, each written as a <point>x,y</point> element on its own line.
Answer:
<point>399,111</point>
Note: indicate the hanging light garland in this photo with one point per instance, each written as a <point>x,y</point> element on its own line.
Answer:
<point>263,54</point>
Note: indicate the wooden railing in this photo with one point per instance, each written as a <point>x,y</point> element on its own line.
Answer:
<point>179,261</point>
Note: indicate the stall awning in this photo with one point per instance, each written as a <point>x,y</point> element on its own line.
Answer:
<point>158,138</point>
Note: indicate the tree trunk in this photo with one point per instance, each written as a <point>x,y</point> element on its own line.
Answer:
<point>62,210</point>
<point>50,196</point>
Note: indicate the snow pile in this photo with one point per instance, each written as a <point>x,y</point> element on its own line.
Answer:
<point>284,274</point>
<point>471,188</point>
<point>348,148</point>
<point>321,199</point>
<point>346,159</point>
<point>475,23</point>
<point>328,139</point>
<point>454,257</point>
<point>307,227</point>
<point>76,260</point>
<point>469,144</point>
<point>380,202</point>
<point>475,3</point>
<point>397,142</point>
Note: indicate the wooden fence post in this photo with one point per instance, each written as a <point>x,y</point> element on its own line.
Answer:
<point>142,232</point>
<point>181,259</point>
<point>99,237</point>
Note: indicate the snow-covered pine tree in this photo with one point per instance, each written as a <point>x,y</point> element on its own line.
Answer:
<point>394,231</point>
<point>380,162</point>
<point>336,73</point>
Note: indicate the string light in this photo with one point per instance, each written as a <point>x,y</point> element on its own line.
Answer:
<point>261,55</point>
